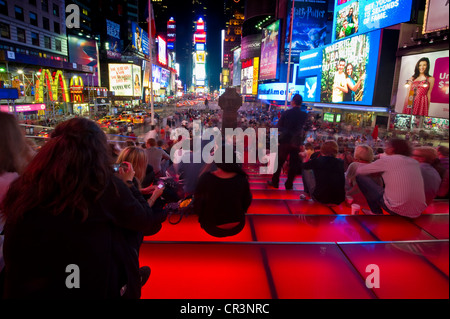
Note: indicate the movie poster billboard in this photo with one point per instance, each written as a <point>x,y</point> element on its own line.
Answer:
<point>125,79</point>
<point>309,29</point>
<point>113,49</point>
<point>85,52</point>
<point>349,70</point>
<point>361,16</point>
<point>424,84</point>
<point>270,45</point>
<point>140,39</point>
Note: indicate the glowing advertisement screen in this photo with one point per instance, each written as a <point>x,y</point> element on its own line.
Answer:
<point>436,16</point>
<point>277,91</point>
<point>310,25</point>
<point>309,74</point>
<point>349,70</point>
<point>249,76</point>
<point>237,67</point>
<point>125,79</point>
<point>269,52</point>
<point>113,40</point>
<point>140,39</point>
<point>426,93</point>
<point>355,17</point>
<point>162,53</point>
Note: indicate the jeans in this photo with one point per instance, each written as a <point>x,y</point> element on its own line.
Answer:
<point>285,151</point>
<point>373,193</point>
<point>309,182</point>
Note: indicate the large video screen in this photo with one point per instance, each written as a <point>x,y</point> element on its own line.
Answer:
<point>349,70</point>
<point>361,16</point>
<point>270,44</point>
<point>416,93</point>
<point>309,28</point>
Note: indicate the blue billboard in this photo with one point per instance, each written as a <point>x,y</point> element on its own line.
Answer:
<point>140,39</point>
<point>309,74</point>
<point>343,72</point>
<point>354,17</point>
<point>349,69</point>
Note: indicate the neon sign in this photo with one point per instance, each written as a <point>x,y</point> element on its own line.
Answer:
<point>51,82</point>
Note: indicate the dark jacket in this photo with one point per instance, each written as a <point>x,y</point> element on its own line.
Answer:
<point>329,178</point>
<point>290,126</point>
<point>39,246</point>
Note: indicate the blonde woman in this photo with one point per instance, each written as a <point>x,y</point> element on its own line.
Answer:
<point>138,159</point>
<point>363,155</point>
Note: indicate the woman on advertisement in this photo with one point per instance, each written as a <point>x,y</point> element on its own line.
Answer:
<point>353,86</point>
<point>419,88</point>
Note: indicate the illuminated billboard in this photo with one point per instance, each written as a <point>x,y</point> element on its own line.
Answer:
<point>249,76</point>
<point>277,91</point>
<point>309,28</point>
<point>113,48</point>
<point>269,52</point>
<point>436,16</point>
<point>140,39</point>
<point>200,32</point>
<point>84,52</point>
<point>237,67</point>
<point>162,52</point>
<point>361,16</point>
<point>416,83</point>
<point>349,69</point>
<point>125,79</point>
<point>171,34</point>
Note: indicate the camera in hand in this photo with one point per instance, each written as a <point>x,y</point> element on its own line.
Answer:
<point>117,166</point>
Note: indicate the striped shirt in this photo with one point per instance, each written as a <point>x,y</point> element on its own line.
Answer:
<point>404,187</point>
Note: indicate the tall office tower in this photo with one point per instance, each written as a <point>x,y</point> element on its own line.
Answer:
<point>232,38</point>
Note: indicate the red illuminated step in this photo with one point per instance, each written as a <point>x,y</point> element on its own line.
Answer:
<point>405,269</point>
<point>268,206</point>
<point>308,228</point>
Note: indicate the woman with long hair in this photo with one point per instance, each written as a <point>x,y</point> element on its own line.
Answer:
<point>69,211</point>
<point>143,172</point>
<point>352,84</point>
<point>222,197</point>
<point>419,88</point>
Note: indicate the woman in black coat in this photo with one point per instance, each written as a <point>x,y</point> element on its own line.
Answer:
<point>71,222</point>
